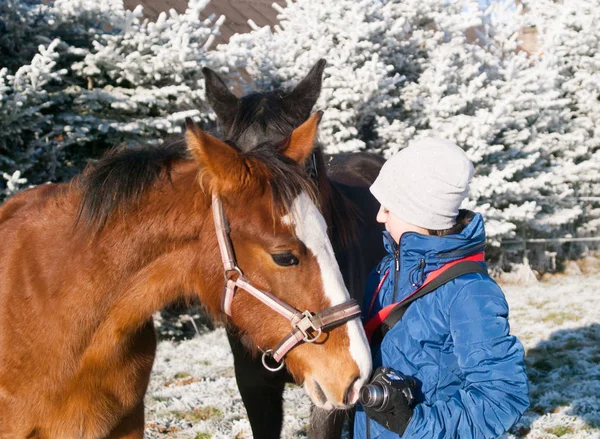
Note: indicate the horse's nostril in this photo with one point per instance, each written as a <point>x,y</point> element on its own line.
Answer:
<point>351,395</point>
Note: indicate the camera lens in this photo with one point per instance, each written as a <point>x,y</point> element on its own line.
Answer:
<point>371,395</point>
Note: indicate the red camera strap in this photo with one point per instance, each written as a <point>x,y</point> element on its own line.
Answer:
<point>374,322</point>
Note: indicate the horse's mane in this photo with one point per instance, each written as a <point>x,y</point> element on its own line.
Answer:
<point>122,176</point>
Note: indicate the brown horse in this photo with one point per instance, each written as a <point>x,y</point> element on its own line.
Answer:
<point>83,266</point>
<point>350,210</point>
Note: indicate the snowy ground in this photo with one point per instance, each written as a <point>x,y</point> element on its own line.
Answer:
<point>193,393</point>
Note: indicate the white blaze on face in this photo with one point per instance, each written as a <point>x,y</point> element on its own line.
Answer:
<point>311,229</point>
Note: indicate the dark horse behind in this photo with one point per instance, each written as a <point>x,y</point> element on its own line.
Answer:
<point>343,182</point>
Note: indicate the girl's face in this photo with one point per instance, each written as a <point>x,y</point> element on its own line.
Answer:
<point>395,226</point>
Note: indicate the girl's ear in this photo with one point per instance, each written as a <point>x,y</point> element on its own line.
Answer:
<point>223,166</point>
<point>301,142</point>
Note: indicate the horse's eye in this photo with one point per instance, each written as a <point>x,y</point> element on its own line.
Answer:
<point>285,259</point>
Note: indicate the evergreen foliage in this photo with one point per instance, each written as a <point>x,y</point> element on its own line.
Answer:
<point>79,76</point>
<point>453,69</point>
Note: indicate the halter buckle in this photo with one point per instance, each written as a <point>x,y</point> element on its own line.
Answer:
<point>306,324</point>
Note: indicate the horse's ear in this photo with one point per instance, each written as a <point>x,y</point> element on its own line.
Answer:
<point>301,142</point>
<point>221,100</point>
<point>303,98</point>
<point>221,163</point>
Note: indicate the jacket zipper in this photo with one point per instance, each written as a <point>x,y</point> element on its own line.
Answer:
<point>396,273</point>
<point>396,248</point>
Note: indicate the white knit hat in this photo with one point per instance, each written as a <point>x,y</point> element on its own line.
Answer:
<point>425,183</point>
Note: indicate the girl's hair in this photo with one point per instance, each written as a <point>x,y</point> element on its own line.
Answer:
<point>462,220</point>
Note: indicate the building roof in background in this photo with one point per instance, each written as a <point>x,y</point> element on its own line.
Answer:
<point>237,12</point>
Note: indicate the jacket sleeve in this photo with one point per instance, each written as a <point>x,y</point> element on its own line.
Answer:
<point>492,363</point>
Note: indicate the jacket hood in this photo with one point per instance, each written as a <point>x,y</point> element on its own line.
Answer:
<point>417,255</point>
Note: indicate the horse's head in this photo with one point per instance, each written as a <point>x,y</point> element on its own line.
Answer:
<point>262,116</point>
<point>280,243</point>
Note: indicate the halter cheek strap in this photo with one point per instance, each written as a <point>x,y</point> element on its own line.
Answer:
<point>306,326</point>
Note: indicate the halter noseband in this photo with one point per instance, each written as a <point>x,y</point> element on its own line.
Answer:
<point>303,323</point>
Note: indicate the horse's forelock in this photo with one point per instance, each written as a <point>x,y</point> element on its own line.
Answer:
<point>285,178</point>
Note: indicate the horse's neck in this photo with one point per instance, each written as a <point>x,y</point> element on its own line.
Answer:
<point>166,249</point>
<point>339,212</point>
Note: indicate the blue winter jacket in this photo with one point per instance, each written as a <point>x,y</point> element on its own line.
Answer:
<point>455,341</point>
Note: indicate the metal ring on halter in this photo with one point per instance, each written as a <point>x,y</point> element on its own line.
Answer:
<point>266,354</point>
<point>312,340</point>
<point>236,268</point>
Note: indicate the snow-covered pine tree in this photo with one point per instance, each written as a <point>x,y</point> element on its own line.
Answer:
<point>355,37</point>
<point>396,70</point>
<point>80,76</point>
<point>26,74</point>
<point>452,69</point>
<point>569,39</point>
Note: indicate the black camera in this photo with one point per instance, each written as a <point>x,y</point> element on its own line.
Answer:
<point>377,393</point>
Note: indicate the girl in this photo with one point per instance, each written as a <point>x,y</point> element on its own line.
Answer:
<point>452,346</point>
